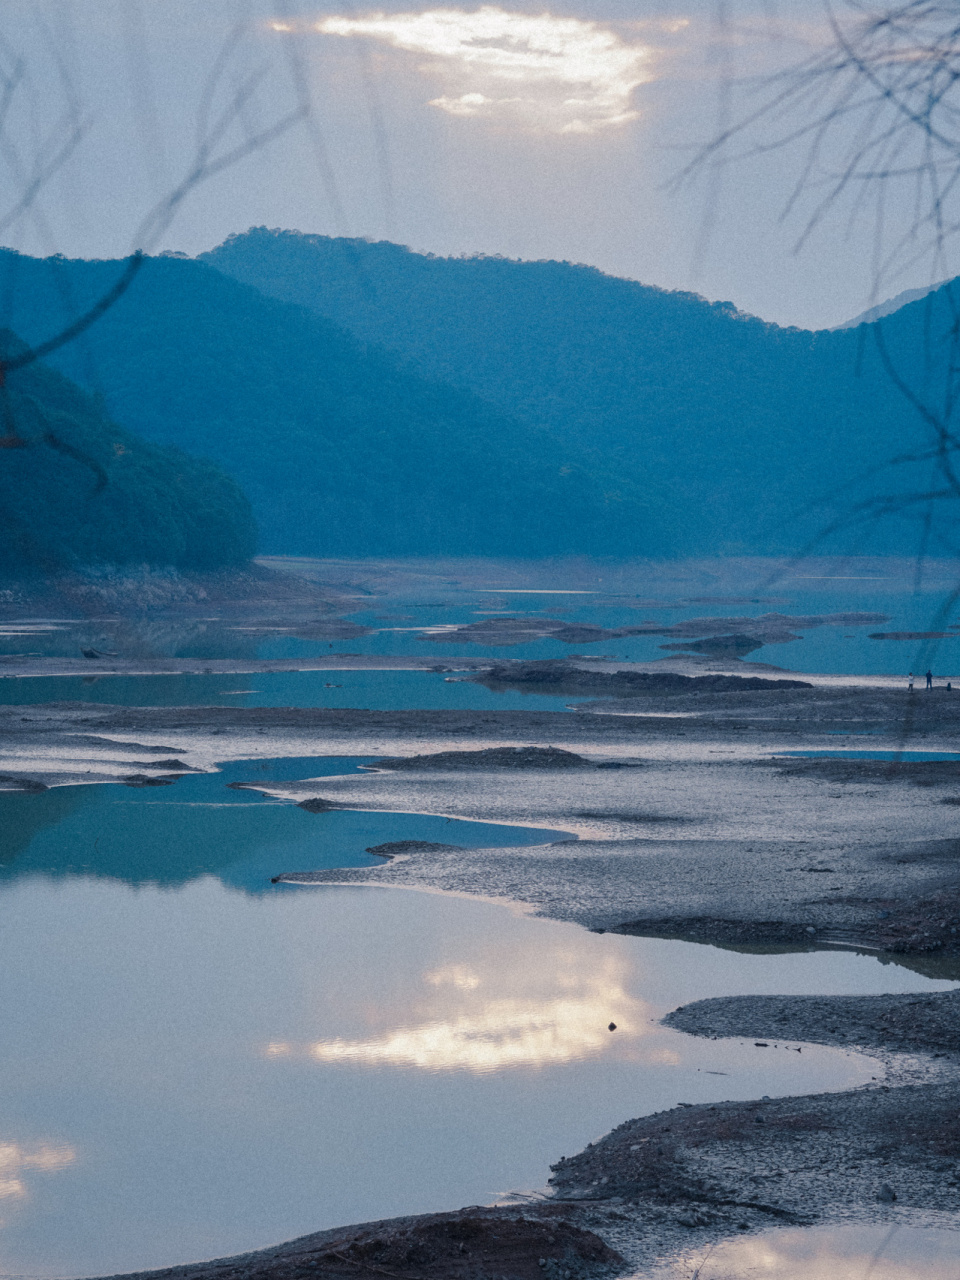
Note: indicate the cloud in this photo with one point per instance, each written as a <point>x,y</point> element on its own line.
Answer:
<point>556,74</point>
<point>15,1160</point>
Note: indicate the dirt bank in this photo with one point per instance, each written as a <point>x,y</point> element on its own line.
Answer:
<point>465,1245</point>
<point>887,1152</point>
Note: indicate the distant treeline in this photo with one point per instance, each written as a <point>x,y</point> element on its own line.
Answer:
<point>747,437</point>
<point>76,489</point>
<point>340,449</point>
<point>371,400</point>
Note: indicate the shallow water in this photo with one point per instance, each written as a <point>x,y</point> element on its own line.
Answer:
<point>624,595</point>
<point>403,603</point>
<point>199,826</point>
<point>365,690</point>
<point>854,753</point>
<point>824,649</point>
<point>865,1251</point>
<point>197,1064</point>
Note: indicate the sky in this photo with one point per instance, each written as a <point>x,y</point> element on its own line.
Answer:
<point>564,132</point>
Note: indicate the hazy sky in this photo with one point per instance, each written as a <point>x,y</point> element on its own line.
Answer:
<point>518,130</point>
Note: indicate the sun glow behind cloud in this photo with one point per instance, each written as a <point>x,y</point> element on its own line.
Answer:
<point>556,74</point>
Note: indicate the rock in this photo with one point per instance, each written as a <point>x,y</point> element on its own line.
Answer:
<point>491,758</point>
<point>317,804</point>
<point>394,847</point>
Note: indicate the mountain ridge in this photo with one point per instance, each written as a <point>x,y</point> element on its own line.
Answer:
<point>76,489</point>
<point>341,450</point>
<point>755,436</point>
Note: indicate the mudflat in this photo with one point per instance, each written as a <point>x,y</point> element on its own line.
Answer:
<point>695,820</point>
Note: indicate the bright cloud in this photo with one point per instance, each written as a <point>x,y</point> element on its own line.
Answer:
<point>563,75</point>
<point>15,1160</point>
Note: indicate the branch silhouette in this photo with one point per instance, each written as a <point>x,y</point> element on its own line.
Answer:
<point>213,154</point>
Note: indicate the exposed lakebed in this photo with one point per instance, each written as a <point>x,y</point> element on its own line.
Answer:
<point>199,1062</point>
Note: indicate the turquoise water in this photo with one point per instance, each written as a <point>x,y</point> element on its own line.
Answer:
<point>200,827</point>
<point>402,601</point>
<point>366,690</point>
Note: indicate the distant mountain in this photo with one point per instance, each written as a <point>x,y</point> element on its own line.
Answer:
<point>375,401</point>
<point>340,449</point>
<point>887,308</point>
<point>76,489</point>
<point>753,438</point>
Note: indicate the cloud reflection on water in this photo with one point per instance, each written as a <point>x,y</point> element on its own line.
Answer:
<point>496,1014</point>
<point>860,1251</point>
<point>15,1160</point>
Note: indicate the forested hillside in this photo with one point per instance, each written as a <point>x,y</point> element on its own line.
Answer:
<point>340,450</point>
<point>754,438</point>
<point>76,489</point>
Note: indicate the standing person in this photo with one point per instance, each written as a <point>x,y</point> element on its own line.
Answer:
<point>910,683</point>
<point>929,679</point>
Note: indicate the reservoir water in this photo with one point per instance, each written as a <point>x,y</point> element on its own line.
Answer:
<point>197,1062</point>
<point>415,609</point>
<point>366,690</point>
<point>851,1251</point>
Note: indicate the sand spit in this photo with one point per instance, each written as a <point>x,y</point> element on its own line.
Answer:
<point>889,1152</point>
<point>701,832</point>
<point>662,1185</point>
<point>18,666</point>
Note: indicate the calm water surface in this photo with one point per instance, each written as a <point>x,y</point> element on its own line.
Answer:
<point>197,1063</point>
<point>366,690</point>
<point>864,1251</point>
<point>403,613</point>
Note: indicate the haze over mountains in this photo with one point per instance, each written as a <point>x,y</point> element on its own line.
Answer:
<point>735,425</point>
<point>339,449</point>
<point>76,489</point>
<point>371,400</point>
<point>889,305</point>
